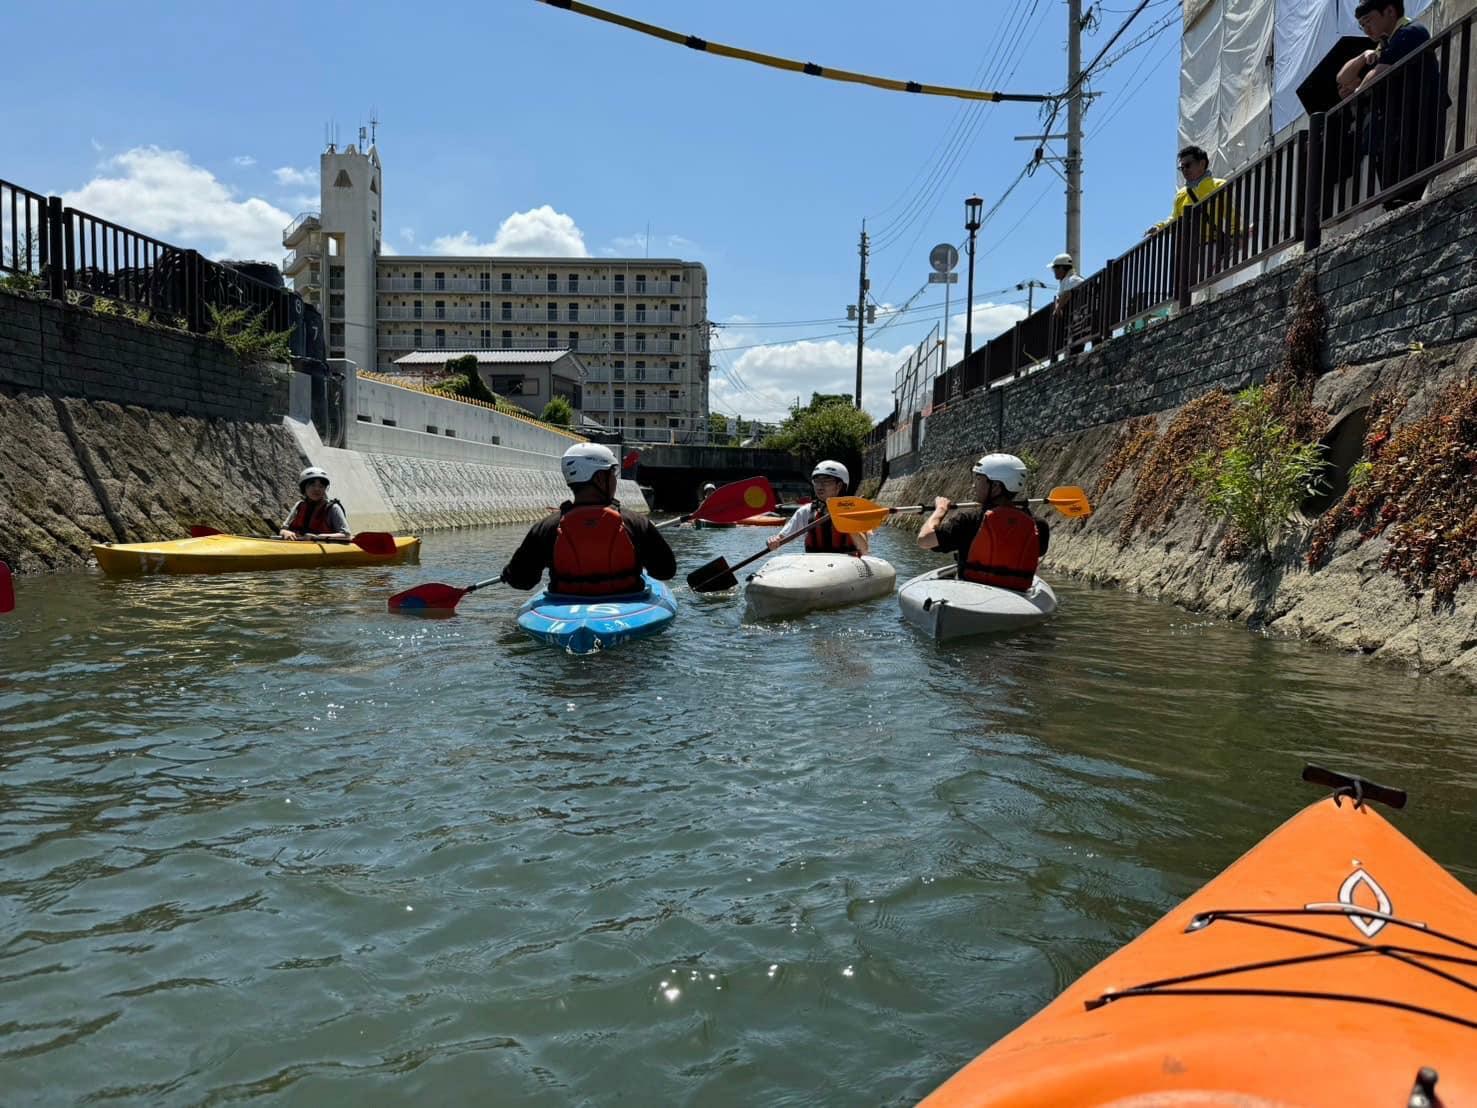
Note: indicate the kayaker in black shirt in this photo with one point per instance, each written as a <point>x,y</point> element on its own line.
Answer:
<point>998,543</point>
<point>591,546</point>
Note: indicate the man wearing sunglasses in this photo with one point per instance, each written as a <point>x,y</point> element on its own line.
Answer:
<point>1194,163</point>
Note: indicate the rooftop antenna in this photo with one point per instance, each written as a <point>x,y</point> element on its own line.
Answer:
<point>363,134</point>
<point>373,124</point>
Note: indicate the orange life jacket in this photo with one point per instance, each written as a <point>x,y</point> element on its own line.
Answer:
<point>825,539</point>
<point>311,517</point>
<point>1005,550</point>
<point>594,554</point>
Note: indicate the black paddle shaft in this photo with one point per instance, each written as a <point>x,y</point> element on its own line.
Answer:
<point>717,575</point>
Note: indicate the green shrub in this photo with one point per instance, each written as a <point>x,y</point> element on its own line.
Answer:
<point>559,412</point>
<point>247,335</point>
<point>1259,473</point>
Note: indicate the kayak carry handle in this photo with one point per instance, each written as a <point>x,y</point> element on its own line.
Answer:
<point>1357,788</point>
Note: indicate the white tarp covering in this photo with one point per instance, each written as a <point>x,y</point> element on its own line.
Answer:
<point>1225,81</point>
<point>1306,31</point>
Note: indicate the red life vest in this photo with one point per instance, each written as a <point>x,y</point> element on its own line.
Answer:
<point>311,517</point>
<point>825,539</point>
<point>1005,551</point>
<point>594,554</point>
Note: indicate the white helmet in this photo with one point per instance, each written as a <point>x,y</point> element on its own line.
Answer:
<point>1009,470</point>
<point>832,469</point>
<point>309,474</point>
<point>709,488</point>
<point>1062,259</point>
<point>585,459</point>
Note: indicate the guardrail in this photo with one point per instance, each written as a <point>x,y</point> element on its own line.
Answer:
<point>1380,146</point>
<point>75,254</point>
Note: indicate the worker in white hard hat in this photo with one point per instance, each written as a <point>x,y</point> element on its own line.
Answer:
<point>315,518</point>
<point>1063,267</point>
<point>591,546</point>
<point>999,542</point>
<point>827,479</point>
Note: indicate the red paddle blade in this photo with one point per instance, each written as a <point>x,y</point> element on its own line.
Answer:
<point>199,532</point>
<point>430,599</point>
<point>7,590</point>
<point>737,501</point>
<point>375,542</point>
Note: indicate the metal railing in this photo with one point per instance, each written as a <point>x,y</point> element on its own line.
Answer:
<point>297,224</point>
<point>25,244</point>
<point>1381,145</point>
<point>531,287</point>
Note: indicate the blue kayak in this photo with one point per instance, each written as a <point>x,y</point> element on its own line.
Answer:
<point>585,625</point>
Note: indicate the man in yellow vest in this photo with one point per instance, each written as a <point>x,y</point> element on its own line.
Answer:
<point>1194,163</point>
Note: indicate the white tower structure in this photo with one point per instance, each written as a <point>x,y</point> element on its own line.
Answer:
<point>351,218</point>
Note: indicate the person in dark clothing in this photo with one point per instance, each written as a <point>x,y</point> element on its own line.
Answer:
<point>591,546</point>
<point>998,543</point>
<point>1407,110</point>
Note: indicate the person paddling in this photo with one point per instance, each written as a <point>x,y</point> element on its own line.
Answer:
<point>315,518</point>
<point>591,546</point>
<point>826,480</point>
<point>999,543</point>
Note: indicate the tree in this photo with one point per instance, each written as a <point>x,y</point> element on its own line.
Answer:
<point>465,380</point>
<point>829,427</point>
<point>559,412</point>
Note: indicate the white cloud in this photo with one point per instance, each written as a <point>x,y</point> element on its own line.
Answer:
<point>287,175</point>
<point>163,193</point>
<point>387,250</point>
<point>989,320</point>
<point>776,375</point>
<point>245,161</point>
<point>539,232</point>
<point>408,234</point>
<point>660,245</point>
<point>97,146</point>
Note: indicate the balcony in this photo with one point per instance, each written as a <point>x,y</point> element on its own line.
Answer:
<point>473,313</point>
<point>300,228</point>
<point>637,405</point>
<point>299,259</point>
<point>522,287</point>
<point>639,377</point>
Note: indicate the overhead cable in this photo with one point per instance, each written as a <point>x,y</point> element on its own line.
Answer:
<point>789,64</point>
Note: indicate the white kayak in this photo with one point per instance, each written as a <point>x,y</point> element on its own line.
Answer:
<point>790,584</point>
<point>944,608</point>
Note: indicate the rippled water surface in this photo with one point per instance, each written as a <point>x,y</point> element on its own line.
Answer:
<point>263,841</point>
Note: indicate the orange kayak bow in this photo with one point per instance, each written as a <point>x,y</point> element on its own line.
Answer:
<point>1332,964</point>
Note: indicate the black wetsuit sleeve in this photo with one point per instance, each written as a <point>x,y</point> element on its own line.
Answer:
<point>1043,534</point>
<point>656,556</point>
<point>525,569</point>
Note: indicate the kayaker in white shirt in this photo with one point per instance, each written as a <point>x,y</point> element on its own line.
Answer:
<point>826,480</point>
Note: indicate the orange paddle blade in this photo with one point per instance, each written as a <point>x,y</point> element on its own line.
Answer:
<point>852,515</point>
<point>1070,500</point>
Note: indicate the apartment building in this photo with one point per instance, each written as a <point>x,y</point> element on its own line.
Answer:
<point>638,325</point>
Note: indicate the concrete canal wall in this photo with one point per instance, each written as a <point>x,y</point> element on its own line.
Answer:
<point>116,430</point>
<point>1401,312</point>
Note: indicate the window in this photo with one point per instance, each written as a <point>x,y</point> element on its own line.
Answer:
<point>620,340</point>
<point>619,314</point>
<point>417,310</point>
<point>640,371</point>
<point>640,341</point>
<point>619,370</point>
<point>574,340</point>
<point>553,340</point>
<point>415,280</point>
<point>640,313</point>
<point>512,384</point>
<point>620,283</point>
<point>675,339</point>
<point>486,338</point>
<point>419,337</point>
<point>573,284</point>
<point>507,283</point>
<point>484,283</point>
<point>676,311</point>
<point>440,279</point>
<point>342,180</point>
<point>574,313</point>
<point>672,368</point>
<point>620,399</point>
<point>640,423</point>
<point>553,283</point>
<point>440,338</point>
<point>507,340</point>
<point>640,400</point>
<point>670,423</point>
<point>620,423</point>
<point>441,309</point>
<point>486,310</point>
<point>672,395</point>
<point>553,313</point>
<point>507,311</point>
<point>432,429</point>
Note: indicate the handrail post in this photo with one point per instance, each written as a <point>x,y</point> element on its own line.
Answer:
<point>194,298</point>
<point>1313,176</point>
<point>56,249</point>
<point>1182,258</point>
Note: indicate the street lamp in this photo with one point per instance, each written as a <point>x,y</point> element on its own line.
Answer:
<point>972,208</point>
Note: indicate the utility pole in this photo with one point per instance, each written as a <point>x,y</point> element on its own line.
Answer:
<point>861,311</point>
<point>1031,286</point>
<point>1074,130</point>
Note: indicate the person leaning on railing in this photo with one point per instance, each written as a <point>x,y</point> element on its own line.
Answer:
<point>1403,145</point>
<point>1194,163</point>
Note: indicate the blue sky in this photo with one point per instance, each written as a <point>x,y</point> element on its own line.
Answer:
<point>197,122</point>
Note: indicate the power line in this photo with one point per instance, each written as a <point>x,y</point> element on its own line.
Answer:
<point>1118,107</point>
<point>789,64</point>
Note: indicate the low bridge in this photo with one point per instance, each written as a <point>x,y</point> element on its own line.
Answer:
<point>676,474</point>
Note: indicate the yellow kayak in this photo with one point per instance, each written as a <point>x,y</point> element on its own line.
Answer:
<point>242,554</point>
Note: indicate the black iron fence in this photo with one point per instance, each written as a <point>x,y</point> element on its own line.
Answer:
<point>1380,146</point>
<point>69,254</point>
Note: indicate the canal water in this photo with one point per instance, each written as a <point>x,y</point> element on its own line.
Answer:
<point>263,841</point>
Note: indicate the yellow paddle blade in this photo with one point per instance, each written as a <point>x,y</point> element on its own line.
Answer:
<point>1070,500</point>
<point>852,515</point>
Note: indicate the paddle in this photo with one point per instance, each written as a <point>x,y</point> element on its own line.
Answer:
<point>733,502</point>
<point>853,514</point>
<point>371,542</point>
<point>7,590</point>
<point>435,598</point>
<point>717,575</point>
